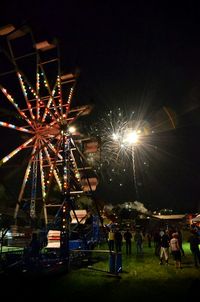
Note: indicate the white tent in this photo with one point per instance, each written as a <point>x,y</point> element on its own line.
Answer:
<point>170,217</point>
<point>196,219</point>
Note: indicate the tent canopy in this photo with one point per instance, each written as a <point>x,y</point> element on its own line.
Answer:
<point>196,219</point>
<point>170,217</point>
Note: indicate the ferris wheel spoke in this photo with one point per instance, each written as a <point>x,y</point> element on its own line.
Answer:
<point>14,152</point>
<point>53,168</point>
<point>75,170</point>
<point>20,75</point>
<point>56,161</point>
<point>50,171</point>
<point>11,126</point>
<point>56,98</point>
<point>58,85</point>
<point>43,72</point>
<point>26,176</point>
<point>55,107</point>
<point>22,81</point>
<point>11,100</point>
<point>51,105</point>
<point>42,176</point>
<point>69,100</point>
<point>51,92</point>
<point>48,110</point>
<point>56,151</point>
<point>43,187</point>
<point>56,92</point>
<point>24,90</point>
<point>52,108</point>
<point>72,81</point>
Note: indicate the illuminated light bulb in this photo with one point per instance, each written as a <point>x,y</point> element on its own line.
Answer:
<point>72,129</point>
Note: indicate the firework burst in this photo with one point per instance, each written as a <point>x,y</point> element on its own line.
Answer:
<point>114,129</point>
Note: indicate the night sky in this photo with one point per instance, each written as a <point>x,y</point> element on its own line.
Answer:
<point>136,57</point>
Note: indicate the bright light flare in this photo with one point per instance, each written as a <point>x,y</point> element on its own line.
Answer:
<point>72,129</point>
<point>131,138</point>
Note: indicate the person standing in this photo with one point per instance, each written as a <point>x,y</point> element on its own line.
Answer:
<point>180,240</point>
<point>35,246</point>
<point>149,238</point>
<point>127,237</point>
<point>164,247</point>
<point>118,241</point>
<point>111,240</point>
<point>156,239</point>
<point>194,241</point>
<point>138,240</point>
<point>175,250</point>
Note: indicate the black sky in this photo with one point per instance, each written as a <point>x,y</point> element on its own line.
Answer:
<point>136,56</point>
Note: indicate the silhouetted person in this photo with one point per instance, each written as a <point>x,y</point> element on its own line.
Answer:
<point>156,239</point>
<point>180,241</point>
<point>127,238</point>
<point>138,240</point>
<point>34,246</point>
<point>149,237</point>
<point>118,241</point>
<point>194,241</point>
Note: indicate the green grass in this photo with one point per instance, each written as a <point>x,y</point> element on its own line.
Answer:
<point>11,249</point>
<point>142,277</point>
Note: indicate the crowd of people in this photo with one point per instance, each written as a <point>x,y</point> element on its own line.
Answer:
<point>116,238</point>
<point>166,243</point>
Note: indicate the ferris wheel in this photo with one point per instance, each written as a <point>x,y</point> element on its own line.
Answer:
<point>40,97</point>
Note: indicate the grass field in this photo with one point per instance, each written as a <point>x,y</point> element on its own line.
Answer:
<point>142,278</point>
